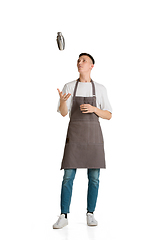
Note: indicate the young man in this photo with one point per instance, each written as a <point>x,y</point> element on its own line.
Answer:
<point>85,101</point>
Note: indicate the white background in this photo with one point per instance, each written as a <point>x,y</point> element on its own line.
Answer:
<point>123,37</point>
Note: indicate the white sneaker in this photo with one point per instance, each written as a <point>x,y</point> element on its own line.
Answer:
<point>91,221</point>
<point>62,222</point>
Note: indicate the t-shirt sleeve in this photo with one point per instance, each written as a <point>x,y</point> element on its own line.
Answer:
<point>65,90</point>
<point>104,103</point>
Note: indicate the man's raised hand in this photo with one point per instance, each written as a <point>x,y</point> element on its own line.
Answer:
<point>63,97</point>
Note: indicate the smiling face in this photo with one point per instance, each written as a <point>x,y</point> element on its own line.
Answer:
<point>84,64</point>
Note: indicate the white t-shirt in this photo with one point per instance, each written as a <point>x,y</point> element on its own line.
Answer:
<point>84,89</point>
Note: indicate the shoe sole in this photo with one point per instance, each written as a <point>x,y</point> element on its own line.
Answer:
<point>92,225</point>
<point>60,227</point>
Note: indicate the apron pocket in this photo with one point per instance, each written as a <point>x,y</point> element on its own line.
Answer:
<point>77,132</point>
<point>95,133</point>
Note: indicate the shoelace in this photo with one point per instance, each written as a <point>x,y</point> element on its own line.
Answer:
<point>91,219</point>
<point>58,219</point>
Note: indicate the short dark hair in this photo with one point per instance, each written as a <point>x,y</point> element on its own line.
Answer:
<point>86,54</point>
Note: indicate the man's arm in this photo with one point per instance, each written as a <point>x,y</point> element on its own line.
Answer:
<point>103,113</point>
<point>63,108</point>
<point>63,105</point>
<point>87,108</point>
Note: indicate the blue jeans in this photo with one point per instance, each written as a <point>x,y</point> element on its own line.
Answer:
<point>66,191</point>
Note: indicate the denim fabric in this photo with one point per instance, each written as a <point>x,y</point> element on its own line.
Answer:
<point>67,184</point>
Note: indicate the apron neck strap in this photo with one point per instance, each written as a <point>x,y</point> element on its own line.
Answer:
<point>93,88</point>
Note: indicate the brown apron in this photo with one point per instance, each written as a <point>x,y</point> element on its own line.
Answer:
<point>84,146</point>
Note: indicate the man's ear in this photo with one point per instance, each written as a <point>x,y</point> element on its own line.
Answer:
<point>92,66</point>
